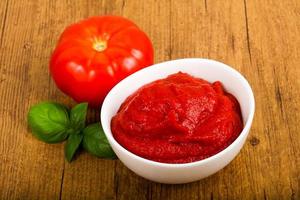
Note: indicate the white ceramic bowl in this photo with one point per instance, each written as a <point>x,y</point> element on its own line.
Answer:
<point>209,70</point>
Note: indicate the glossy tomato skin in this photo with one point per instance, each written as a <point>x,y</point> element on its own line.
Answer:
<point>95,54</point>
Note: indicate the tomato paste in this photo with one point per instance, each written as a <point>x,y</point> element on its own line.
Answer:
<point>179,119</point>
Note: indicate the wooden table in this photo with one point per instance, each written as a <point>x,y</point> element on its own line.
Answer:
<point>261,39</point>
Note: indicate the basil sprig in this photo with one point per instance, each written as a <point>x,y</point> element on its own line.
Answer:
<point>72,145</point>
<point>53,122</point>
<point>49,122</point>
<point>95,142</point>
<point>78,115</point>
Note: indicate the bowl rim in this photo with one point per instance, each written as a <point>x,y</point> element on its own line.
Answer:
<point>229,148</point>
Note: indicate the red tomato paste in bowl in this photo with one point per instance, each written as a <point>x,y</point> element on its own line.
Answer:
<point>179,119</point>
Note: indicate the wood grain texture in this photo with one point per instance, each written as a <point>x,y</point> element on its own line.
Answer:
<point>261,39</point>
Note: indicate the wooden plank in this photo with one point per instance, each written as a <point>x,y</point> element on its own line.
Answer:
<point>274,30</point>
<point>29,169</point>
<point>3,17</point>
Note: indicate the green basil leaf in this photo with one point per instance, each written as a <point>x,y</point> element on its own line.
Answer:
<point>49,122</point>
<point>78,116</point>
<point>95,142</point>
<point>72,145</point>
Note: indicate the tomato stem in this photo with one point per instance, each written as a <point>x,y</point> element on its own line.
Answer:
<point>100,45</point>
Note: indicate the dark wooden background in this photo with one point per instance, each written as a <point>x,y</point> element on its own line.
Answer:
<point>261,39</point>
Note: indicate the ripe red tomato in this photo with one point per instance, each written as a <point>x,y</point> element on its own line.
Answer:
<point>95,54</point>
